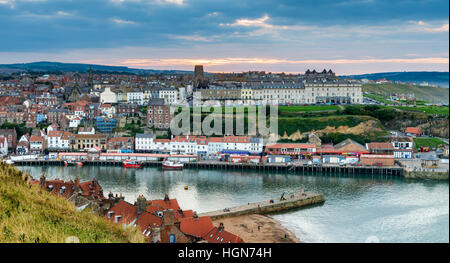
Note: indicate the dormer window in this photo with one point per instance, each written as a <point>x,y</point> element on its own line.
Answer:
<point>62,190</point>
<point>117,218</point>
<point>110,214</point>
<point>50,187</point>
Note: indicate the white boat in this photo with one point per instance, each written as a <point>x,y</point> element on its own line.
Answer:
<point>171,165</point>
<point>9,161</point>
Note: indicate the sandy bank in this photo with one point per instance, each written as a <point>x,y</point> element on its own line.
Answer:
<point>246,227</point>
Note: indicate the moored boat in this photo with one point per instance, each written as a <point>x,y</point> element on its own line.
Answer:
<point>132,164</point>
<point>73,163</point>
<point>170,165</point>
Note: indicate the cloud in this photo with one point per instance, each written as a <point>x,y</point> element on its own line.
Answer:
<point>123,22</point>
<point>226,61</point>
<point>430,27</point>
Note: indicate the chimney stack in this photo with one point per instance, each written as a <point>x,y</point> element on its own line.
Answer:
<point>141,204</point>
<point>221,227</point>
<point>166,197</point>
<point>168,217</point>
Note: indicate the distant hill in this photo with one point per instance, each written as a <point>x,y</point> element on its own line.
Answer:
<point>433,77</point>
<point>45,66</point>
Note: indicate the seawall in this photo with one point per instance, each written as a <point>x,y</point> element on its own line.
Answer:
<point>426,175</point>
<point>291,201</point>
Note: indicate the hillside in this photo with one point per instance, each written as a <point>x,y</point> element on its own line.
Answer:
<point>31,215</point>
<point>433,77</point>
<point>45,66</point>
<point>430,94</point>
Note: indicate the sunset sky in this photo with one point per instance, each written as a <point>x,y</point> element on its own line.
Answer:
<point>350,37</point>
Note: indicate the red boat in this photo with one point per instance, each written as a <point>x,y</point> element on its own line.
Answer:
<point>132,164</point>
<point>169,165</point>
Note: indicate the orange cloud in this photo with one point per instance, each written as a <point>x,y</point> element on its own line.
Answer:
<point>234,61</point>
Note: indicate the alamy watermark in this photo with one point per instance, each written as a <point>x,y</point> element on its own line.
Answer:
<point>229,118</point>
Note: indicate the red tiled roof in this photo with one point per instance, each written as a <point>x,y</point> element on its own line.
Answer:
<point>170,204</point>
<point>161,140</point>
<point>147,220</point>
<point>198,227</point>
<point>291,145</point>
<point>124,209</point>
<point>223,236</point>
<point>215,139</point>
<point>415,130</point>
<point>380,145</point>
<point>55,134</point>
<point>35,138</point>
<point>236,139</point>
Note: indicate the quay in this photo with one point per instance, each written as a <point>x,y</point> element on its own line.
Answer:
<point>260,167</point>
<point>288,202</point>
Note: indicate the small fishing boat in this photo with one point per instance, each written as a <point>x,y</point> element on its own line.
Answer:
<point>73,163</point>
<point>171,165</point>
<point>132,164</point>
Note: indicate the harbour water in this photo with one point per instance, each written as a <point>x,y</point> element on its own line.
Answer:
<point>357,209</point>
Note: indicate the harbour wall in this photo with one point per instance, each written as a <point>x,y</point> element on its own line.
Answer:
<point>293,201</point>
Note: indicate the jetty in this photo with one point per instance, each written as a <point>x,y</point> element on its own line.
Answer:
<point>260,167</point>
<point>285,203</point>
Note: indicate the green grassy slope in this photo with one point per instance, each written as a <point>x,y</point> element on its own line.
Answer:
<point>30,215</point>
<point>430,94</point>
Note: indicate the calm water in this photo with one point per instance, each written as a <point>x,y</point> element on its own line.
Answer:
<point>356,208</point>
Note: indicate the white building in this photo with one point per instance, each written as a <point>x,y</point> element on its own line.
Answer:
<point>3,146</point>
<point>170,95</point>
<point>135,96</point>
<point>143,142</point>
<point>86,130</point>
<point>161,145</point>
<point>58,140</point>
<point>108,96</point>
<point>108,110</point>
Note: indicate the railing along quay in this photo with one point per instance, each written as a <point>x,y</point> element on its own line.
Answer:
<point>263,167</point>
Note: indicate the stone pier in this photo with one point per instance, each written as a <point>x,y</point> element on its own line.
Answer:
<point>290,201</point>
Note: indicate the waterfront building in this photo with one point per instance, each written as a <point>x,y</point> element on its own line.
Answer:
<point>86,141</point>
<point>377,159</point>
<point>161,145</point>
<point>380,148</point>
<point>295,149</point>
<point>143,142</point>
<point>347,146</point>
<point>37,144</point>
<point>403,147</point>
<point>215,145</point>
<point>121,143</point>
